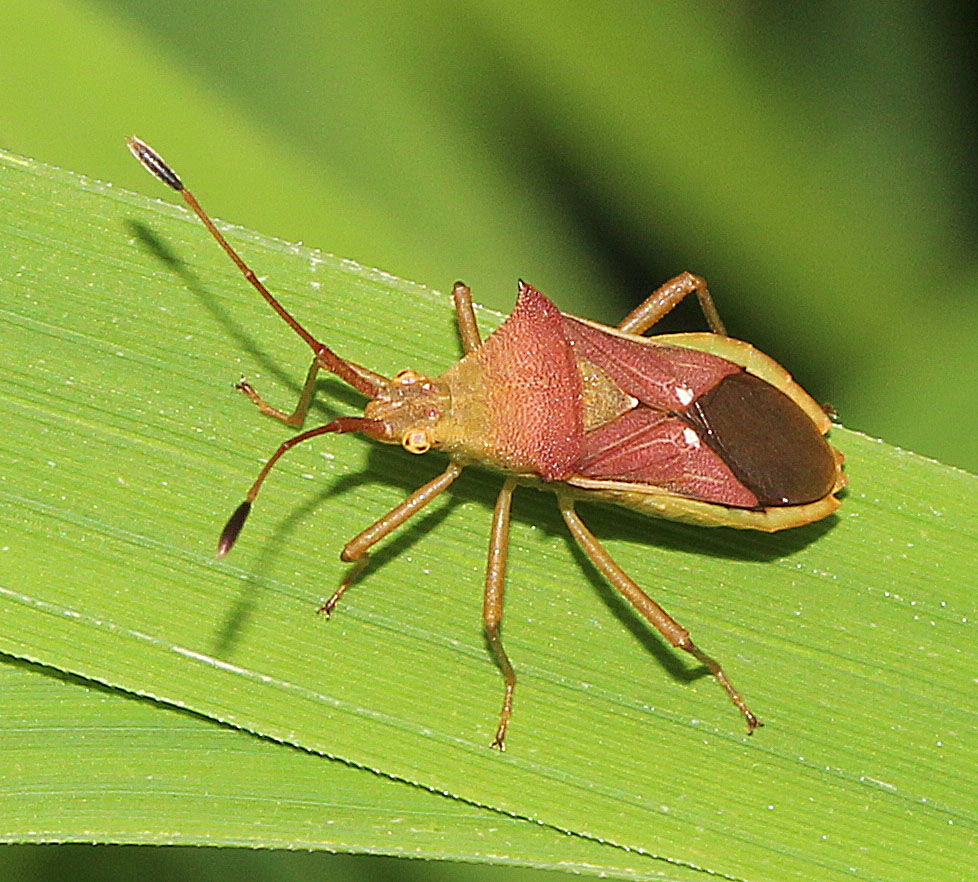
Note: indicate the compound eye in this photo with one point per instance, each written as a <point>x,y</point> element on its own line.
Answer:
<point>407,377</point>
<point>416,441</point>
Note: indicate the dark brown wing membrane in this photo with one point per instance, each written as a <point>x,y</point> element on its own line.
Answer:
<point>768,441</point>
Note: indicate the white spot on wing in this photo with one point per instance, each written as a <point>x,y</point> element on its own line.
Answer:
<point>684,394</point>
<point>691,438</point>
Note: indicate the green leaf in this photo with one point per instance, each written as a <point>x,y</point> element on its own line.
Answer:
<point>124,450</point>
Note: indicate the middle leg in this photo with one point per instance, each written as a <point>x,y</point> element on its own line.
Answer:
<point>492,608</point>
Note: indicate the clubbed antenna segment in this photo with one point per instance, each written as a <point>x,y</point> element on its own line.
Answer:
<point>229,535</point>
<point>366,381</point>
<point>153,163</point>
<point>232,529</point>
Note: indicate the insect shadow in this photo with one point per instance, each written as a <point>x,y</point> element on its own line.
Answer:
<point>242,339</point>
<point>278,542</point>
<point>825,462</point>
<point>332,399</point>
<point>665,536</point>
<point>660,537</point>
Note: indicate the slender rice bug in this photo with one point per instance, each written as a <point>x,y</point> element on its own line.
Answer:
<point>695,427</point>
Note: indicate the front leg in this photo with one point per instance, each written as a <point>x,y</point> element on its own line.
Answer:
<point>298,416</point>
<point>355,551</point>
<point>363,379</point>
<point>665,298</point>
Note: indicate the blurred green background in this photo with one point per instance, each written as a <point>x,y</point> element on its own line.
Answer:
<point>815,163</point>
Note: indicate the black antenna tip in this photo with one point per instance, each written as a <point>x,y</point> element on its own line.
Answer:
<point>232,529</point>
<point>153,163</point>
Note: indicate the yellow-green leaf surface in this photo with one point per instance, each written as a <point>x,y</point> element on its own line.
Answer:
<point>125,448</point>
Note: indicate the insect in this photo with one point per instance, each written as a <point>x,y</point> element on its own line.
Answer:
<point>695,427</point>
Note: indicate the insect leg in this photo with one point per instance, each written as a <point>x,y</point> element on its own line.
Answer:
<point>667,626</point>
<point>664,298</point>
<point>492,607</point>
<point>298,416</point>
<point>356,549</point>
<point>468,329</point>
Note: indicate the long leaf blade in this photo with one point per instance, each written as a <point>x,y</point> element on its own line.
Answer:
<point>126,449</point>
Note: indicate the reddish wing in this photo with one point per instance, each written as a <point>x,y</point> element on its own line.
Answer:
<point>702,427</point>
<point>646,446</point>
<point>563,397</point>
<point>652,444</point>
<point>668,378</point>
